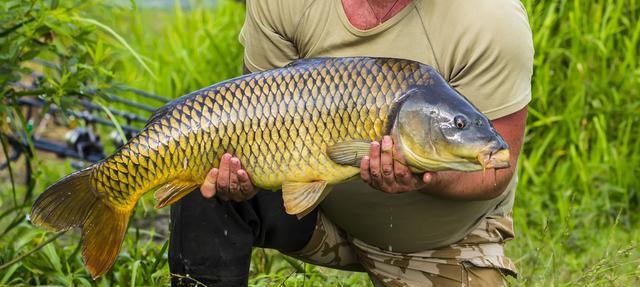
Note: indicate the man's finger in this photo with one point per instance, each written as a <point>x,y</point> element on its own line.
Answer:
<point>400,169</point>
<point>386,161</point>
<point>223,175</point>
<point>208,188</point>
<point>428,177</point>
<point>234,187</point>
<point>246,187</point>
<point>374,164</point>
<point>364,170</point>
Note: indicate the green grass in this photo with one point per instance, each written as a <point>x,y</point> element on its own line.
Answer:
<point>576,209</point>
<point>186,50</point>
<point>576,213</point>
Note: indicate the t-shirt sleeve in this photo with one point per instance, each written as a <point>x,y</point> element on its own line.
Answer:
<point>492,62</point>
<point>267,33</point>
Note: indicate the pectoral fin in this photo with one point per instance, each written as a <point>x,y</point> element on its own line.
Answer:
<point>300,198</point>
<point>173,191</point>
<point>349,152</point>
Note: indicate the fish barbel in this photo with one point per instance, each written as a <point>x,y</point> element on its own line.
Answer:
<point>300,128</point>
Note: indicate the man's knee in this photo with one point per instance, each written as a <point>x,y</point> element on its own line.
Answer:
<point>209,243</point>
<point>212,239</point>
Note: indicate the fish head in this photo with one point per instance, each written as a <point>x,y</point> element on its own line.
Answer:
<point>436,129</point>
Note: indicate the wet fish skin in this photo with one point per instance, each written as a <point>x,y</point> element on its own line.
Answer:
<point>278,123</point>
<point>300,128</point>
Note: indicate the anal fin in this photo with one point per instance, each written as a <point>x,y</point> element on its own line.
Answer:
<point>173,191</point>
<point>300,198</point>
<point>349,152</point>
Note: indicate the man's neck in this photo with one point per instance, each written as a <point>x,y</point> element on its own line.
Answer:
<point>367,14</point>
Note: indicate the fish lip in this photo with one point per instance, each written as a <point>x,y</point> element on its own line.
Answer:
<point>494,159</point>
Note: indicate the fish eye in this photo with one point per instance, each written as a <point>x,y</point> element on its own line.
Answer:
<point>460,122</point>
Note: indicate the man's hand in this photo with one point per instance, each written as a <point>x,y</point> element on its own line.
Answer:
<point>229,181</point>
<point>385,169</point>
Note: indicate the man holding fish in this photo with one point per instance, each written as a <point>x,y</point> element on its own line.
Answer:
<point>353,106</point>
<point>444,228</point>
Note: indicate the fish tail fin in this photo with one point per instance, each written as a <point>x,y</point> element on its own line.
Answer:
<point>71,202</point>
<point>102,236</point>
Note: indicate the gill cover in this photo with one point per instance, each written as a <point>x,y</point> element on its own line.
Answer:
<point>413,129</point>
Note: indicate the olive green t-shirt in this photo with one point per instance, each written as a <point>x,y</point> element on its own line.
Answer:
<point>483,48</point>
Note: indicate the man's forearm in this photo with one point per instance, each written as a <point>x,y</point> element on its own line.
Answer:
<point>480,185</point>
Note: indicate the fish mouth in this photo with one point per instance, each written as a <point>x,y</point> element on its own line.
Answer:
<point>494,159</point>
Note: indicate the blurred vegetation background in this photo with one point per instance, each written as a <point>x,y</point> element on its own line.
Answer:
<point>576,212</point>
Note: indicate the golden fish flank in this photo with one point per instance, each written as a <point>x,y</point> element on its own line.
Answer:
<point>300,128</point>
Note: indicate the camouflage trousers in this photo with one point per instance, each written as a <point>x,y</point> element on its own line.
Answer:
<point>477,260</point>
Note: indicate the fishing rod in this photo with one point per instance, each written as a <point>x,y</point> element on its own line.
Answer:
<point>82,144</point>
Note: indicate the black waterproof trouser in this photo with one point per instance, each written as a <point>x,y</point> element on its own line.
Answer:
<point>211,240</point>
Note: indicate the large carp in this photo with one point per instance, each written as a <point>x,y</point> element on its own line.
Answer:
<point>301,128</point>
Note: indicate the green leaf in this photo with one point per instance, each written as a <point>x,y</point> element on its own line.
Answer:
<point>7,274</point>
<point>121,40</point>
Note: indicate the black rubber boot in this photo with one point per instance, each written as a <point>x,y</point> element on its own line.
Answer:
<point>211,240</point>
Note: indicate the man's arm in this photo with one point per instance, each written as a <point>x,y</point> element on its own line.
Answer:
<point>382,172</point>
